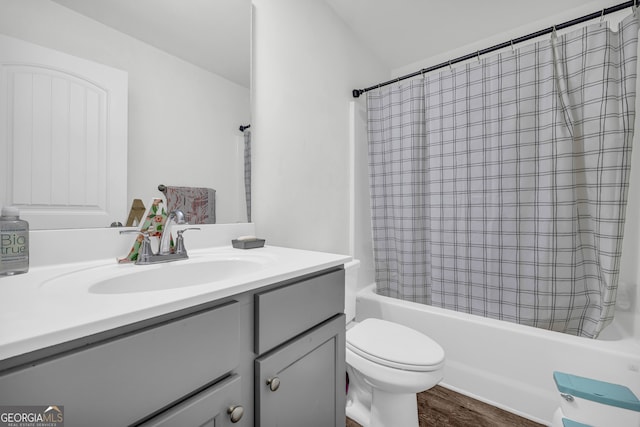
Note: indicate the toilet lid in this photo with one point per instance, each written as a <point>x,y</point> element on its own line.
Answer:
<point>394,345</point>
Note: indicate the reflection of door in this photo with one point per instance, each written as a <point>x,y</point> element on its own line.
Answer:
<point>63,137</point>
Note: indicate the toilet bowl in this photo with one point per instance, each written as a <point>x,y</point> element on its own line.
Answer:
<point>387,364</point>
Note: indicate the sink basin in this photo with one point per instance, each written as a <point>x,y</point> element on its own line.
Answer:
<point>173,275</point>
<point>129,278</point>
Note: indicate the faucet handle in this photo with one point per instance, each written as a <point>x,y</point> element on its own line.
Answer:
<point>185,229</point>
<point>144,252</point>
<point>180,249</point>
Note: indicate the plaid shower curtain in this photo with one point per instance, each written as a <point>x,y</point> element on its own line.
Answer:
<point>247,172</point>
<point>499,188</point>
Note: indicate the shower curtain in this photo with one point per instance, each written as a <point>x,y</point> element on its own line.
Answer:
<point>247,172</point>
<point>499,188</point>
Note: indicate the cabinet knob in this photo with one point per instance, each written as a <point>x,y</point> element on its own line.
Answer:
<point>273,383</point>
<point>235,413</point>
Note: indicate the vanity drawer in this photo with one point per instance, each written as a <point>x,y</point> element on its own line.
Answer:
<point>210,407</point>
<point>129,377</point>
<point>292,309</point>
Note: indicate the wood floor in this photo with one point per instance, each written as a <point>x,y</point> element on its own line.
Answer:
<point>440,407</point>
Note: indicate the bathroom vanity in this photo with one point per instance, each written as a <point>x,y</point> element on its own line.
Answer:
<point>264,349</point>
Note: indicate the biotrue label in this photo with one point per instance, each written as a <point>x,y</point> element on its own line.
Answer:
<point>14,243</point>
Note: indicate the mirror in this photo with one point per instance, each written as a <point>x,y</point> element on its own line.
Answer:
<point>188,84</point>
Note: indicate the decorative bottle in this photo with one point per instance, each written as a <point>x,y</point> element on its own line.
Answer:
<point>14,242</point>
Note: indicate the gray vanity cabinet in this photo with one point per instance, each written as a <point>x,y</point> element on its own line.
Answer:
<point>121,380</point>
<point>212,365</point>
<point>300,336</point>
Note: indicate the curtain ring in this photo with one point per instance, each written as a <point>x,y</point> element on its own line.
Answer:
<point>450,68</point>
<point>513,50</point>
<point>554,35</point>
<point>478,55</point>
<point>602,16</point>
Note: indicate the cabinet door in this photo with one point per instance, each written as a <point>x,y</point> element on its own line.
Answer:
<point>212,407</point>
<point>302,383</point>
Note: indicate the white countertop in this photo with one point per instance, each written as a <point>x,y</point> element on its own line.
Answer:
<point>51,304</point>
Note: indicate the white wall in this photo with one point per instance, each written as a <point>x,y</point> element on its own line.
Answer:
<point>183,120</point>
<point>363,238</point>
<point>305,64</point>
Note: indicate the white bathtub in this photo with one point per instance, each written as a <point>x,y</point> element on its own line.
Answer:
<point>508,365</point>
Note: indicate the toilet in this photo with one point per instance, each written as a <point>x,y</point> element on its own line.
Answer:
<point>387,364</point>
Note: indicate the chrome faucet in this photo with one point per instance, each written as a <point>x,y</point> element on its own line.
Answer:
<point>145,253</point>
<point>175,217</point>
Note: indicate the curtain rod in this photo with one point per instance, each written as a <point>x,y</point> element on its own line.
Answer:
<point>357,92</point>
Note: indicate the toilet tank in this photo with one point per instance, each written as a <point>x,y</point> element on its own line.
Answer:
<point>350,288</point>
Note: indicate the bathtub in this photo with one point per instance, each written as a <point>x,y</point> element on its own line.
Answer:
<point>509,365</point>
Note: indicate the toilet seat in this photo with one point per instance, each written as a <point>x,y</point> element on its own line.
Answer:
<point>395,346</point>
